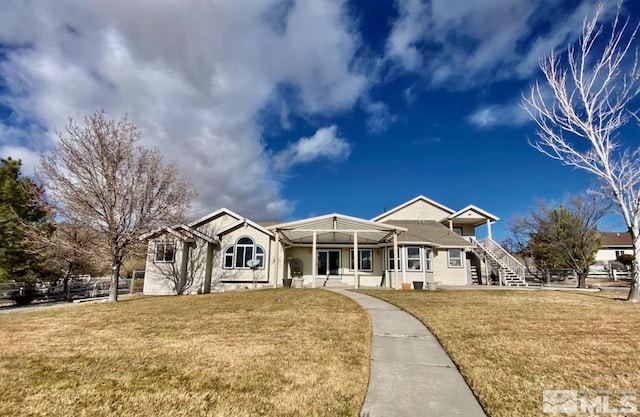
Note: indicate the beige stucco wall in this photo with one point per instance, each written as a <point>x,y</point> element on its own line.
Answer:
<point>470,214</point>
<point>440,271</point>
<point>445,275</point>
<point>418,210</point>
<point>229,239</point>
<point>467,230</point>
<point>162,278</point>
<point>214,226</point>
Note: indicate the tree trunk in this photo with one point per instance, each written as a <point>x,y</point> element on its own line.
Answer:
<point>65,288</point>
<point>115,277</point>
<point>582,280</point>
<point>634,296</point>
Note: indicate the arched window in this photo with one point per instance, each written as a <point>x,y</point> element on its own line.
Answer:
<point>245,250</point>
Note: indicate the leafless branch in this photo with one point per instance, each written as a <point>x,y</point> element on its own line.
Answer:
<point>103,180</point>
<point>592,96</point>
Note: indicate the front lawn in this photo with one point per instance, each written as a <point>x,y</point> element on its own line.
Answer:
<point>279,352</point>
<point>512,345</point>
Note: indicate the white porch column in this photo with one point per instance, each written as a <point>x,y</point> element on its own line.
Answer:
<point>396,260</point>
<point>208,268</point>
<point>356,278</point>
<point>423,263</point>
<point>275,278</point>
<point>314,260</point>
<point>182,282</point>
<point>402,261</point>
<point>489,229</point>
<point>451,225</point>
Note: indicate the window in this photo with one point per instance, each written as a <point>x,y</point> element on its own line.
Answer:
<point>245,249</point>
<point>457,230</point>
<point>228,257</point>
<point>619,253</point>
<point>391,260</point>
<point>455,258</point>
<point>165,252</point>
<point>428,259</point>
<point>244,252</point>
<point>364,259</point>
<point>413,258</point>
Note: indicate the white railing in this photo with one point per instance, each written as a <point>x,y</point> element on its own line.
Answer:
<point>503,256</point>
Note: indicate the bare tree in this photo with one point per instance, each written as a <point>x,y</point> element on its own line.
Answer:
<point>71,250</point>
<point>104,180</point>
<point>579,125</point>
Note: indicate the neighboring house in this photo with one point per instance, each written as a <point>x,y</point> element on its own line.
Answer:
<point>420,240</point>
<point>612,245</point>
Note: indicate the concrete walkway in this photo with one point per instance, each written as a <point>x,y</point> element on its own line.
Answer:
<point>411,375</point>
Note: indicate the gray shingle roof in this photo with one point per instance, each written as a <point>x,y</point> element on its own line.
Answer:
<point>428,231</point>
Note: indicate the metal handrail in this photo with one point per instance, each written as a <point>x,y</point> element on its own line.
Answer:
<point>494,249</point>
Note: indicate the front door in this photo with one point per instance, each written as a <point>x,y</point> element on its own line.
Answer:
<point>328,262</point>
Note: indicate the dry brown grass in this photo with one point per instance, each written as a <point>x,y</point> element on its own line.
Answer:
<point>254,353</point>
<point>511,345</point>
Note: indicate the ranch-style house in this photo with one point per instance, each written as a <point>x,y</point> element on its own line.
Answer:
<point>419,241</point>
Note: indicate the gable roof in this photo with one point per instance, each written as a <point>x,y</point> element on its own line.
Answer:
<point>197,233</point>
<point>182,235</point>
<point>208,217</point>
<point>180,231</point>
<point>615,239</point>
<point>471,207</point>
<point>429,232</point>
<point>334,228</point>
<point>408,203</point>
<point>245,221</point>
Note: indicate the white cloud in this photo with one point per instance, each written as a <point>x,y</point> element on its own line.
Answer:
<point>324,144</point>
<point>459,43</point>
<point>30,160</point>
<point>379,116</point>
<point>508,114</point>
<point>499,115</point>
<point>194,75</point>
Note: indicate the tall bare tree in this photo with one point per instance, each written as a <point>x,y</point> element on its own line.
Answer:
<point>592,96</point>
<point>104,180</point>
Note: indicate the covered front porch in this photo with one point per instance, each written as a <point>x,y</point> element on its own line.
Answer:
<point>334,249</point>
<point>465,221</point>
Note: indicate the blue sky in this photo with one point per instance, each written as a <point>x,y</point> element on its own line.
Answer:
<point>284,109</point>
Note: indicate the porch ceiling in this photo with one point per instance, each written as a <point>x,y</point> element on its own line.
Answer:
<point>335,229</point>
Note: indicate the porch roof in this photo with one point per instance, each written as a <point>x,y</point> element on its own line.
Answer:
<point>471,215</point>
<point>179,234</point>
<point>182,232</point>
<point>335,229</point>
<point>431,233</point>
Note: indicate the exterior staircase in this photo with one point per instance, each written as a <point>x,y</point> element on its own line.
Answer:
<point>509,270</point>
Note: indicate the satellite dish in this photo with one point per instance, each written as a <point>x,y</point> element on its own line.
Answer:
<point>252,263</point>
